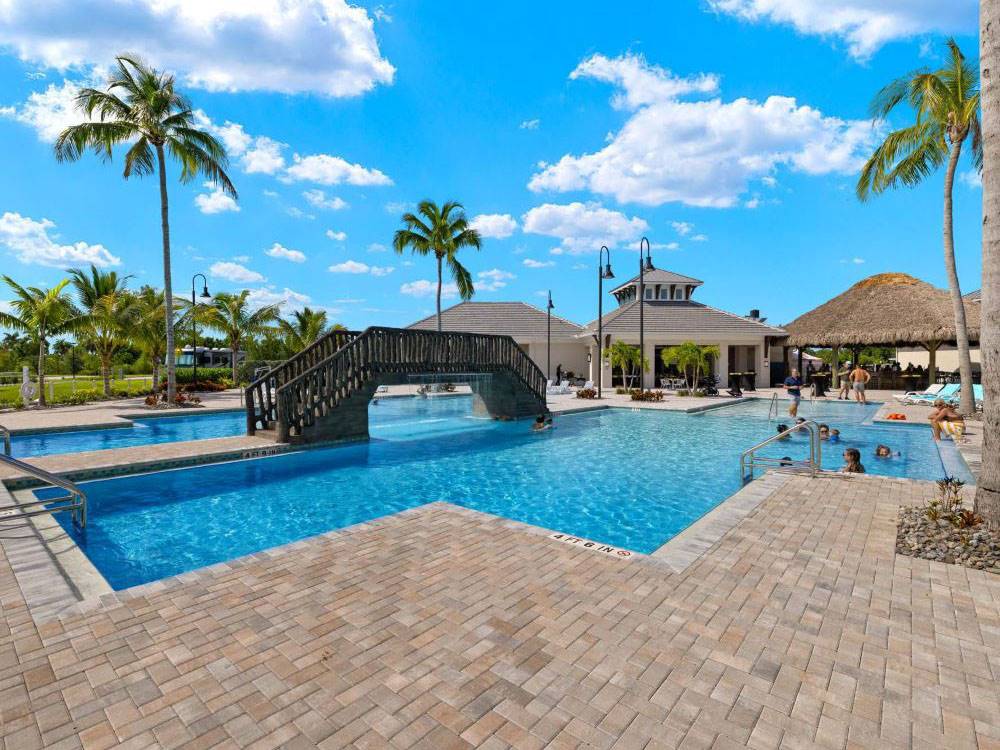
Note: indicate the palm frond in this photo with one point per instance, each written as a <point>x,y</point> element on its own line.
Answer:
<point>891,163</point>
<point>462,278</point>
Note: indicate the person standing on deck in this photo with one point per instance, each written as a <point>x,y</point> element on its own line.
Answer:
<point>859,379</point>
<point>793,386</point>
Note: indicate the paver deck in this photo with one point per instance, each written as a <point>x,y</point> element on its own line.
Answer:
<point>445,628</point>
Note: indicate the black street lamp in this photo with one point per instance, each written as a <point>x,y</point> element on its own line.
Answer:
<point>603,272</point>
<point>643,267</point>
<point>194,323</point>
<point>548,338</point>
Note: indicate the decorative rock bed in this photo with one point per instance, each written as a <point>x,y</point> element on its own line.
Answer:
<point>942,540</point>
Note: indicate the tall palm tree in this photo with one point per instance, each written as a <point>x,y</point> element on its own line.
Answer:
<point>41,313</point>
<point>230,315</point>
<point>140,107</point>
<point>945,104</point>
<point>988,484</point>
<point>306,326</point>
<point>148,330</point>
<point>111,312</point>
<point>441,232</point>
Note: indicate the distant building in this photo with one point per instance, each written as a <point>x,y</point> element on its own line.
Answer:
<point>947,355</point>
<point>208,356</point>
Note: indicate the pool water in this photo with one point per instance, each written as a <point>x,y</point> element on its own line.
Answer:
<point>142,432</point>
<point>632,480</point>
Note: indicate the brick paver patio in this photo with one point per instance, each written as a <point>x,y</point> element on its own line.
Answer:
<point>444,628</point>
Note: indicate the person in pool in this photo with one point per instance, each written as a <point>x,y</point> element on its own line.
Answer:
<point>852,462</point>
<point>793,387</point>
<point>834,436</point>
<point>884,451</point>
<point>824,432</point>
<point>541,423</point>
<point>783,428</point>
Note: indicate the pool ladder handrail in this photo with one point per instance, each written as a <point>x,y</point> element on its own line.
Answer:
<point>813,464</point>
<point>6,440</point>
<point>773,408</point>
<point>77,497</point>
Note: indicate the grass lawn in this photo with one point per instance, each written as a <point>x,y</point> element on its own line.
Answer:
<point>64,388</point>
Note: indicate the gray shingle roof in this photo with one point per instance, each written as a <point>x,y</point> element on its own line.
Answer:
<point>660,276</point>
<point>518,319</point>
<point>679,319</point>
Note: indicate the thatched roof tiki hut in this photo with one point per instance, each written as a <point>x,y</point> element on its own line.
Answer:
<point>889,309</point>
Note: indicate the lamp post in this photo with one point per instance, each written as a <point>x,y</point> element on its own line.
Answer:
<point>548,338</point>
<point>643,267</point>
<point>602,274</point>
<point>194,323</point>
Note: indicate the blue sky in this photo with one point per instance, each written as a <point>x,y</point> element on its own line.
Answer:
<point>726,131</point>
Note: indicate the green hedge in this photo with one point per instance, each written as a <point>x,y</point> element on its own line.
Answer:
<point>211,374</point>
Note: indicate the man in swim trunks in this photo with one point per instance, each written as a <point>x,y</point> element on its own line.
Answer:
<point>859,378</point>
<point>944,418</point>
<point>793,386</point>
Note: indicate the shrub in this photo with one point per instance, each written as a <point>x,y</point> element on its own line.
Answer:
<point>586,393</point>
<point>211,374</point>
<point>638,395</point>
<point>699,393</point>
<point>683,392</point>
<point>622,391</point>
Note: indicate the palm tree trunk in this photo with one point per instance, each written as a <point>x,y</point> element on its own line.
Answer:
<point>168,292</point>
<point>967,404</point>
<point>106,375</point>
<point>41,370</point>
<point>156,375</point>
<point>235,346</point>
<point>988,485</point>
<point>439,294</point>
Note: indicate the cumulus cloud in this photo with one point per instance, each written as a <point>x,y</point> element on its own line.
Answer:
<point>582,227</point>
<point>655,245</point>
<point>640,83</point>
<point>530,124</point>
<point>216,201</point>
<point>425,288</point>
<point>219,46</point>
<point>336,236</point>
<point>699,238</point>
<point>234,272</point>
<point>318,199</point>
<point>49,112</point>
<point>682,228</point>
<point>324,169</point>
<point>532,263</point>
<point>866,25</point>
<point>280,251</point>
<point>268,295</point>
<point>31,243</point>
<point>377,247</point>
<point>704,152</point>
<point>497,226</point>
<point>493,280</point>
<point>971,178</point>
<point>356,267</point>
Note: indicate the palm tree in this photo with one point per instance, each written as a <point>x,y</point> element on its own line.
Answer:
<point>111,313</point>
<point>41,313</point>
<point>305,328</point>
<point>625,357</point>
<point>440,232</point>
<point>148,330</point>
<point>690,357</point>
<point>988,483</point>
<point>141,107</point>
<point>946,108</point>
<point>230,315</point>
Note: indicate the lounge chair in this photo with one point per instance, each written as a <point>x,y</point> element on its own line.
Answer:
<point>947,393</point>
<point>589,385</point>
<point>931,391</point>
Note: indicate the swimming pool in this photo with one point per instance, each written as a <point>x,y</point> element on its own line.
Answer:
<point>632,480</point>
<point>142,432</point>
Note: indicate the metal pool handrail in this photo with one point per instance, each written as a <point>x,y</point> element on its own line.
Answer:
<point>749,459</point>
<point>6,440</point>
<point>77,498</point>
<point>773,407</point>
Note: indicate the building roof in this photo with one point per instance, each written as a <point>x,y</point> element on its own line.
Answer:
<point>883,310</point>
<point>976,296</point>
<point>518,319</point>
<point>680,318</point>
<point>659,276</point>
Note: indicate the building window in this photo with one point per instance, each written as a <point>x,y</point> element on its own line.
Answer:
<point>664,293</point>
<point>678,293</point>
<point>649,293</point>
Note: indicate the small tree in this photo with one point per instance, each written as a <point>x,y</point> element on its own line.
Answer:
<point>149,329</point>
<point>690,357</point>
<point>230,315</point>
<point>625,357</point>
<point>111,314</point>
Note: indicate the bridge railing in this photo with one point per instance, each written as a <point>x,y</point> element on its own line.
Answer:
<point>261,402</point>
<point>305,398</point>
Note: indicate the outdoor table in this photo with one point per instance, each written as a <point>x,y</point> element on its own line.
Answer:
<point>750,377</point>
<point>819,383</point>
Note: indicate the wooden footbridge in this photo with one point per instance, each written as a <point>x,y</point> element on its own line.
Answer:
<point>322,393</point>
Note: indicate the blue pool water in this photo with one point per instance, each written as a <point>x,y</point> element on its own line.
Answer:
<point>142,432</point>
<point>628,479</point>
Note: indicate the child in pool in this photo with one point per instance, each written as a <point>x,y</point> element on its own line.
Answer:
<point>783,428</point>
<point>541,423</point>
<point>852,462</point>
<point>835,436</point>
<point>884,451</point>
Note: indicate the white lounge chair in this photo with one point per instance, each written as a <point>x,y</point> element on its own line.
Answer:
<point>931,391</point>
<point>589,385</point>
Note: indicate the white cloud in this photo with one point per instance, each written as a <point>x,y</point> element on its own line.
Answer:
<point>641,83</point>
<point>291,46</point>
<point>215,202</point>
<point>241,258</point>
<point>683,228</point>
<point>498,226</point>
<point>700,238</point>
<point>324,169</point>
<point>280,251</point>
<point>532,263</point>
<point>752,203</point>
<point>971,178</point>
<point>582,226</point>
<point>297,213</point>
<point>49,112</point>
<point>866,25</point>
<point>768,180</point>
<point>336,236</point>
<point>655,245</point>
<point>530,124</point>
<point>318,199</point>
<point>286,298</point>
<point>31,243</point>
<point>856,261</point>
<point>265,156</point>
<point>381,14</point>
<point>235,272</point>
<point>425,288</point>
<point>256,154</point>
<point>377,247</point>
<point>397,207</point>
<point>493,280</point>
<point>704,153</point>
<point>356,267</point>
